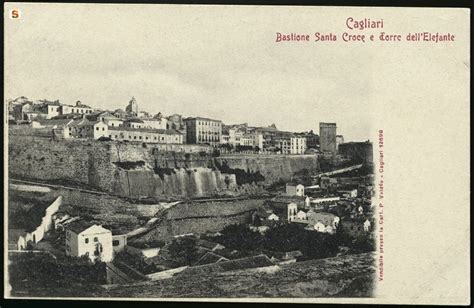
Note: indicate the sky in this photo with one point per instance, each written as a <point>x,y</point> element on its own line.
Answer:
<point>218,62</point>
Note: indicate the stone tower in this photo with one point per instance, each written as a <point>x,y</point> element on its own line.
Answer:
<point>132,107</point>
<point>327,137</point>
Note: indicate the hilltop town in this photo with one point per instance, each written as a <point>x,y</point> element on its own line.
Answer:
<point>126,200</point>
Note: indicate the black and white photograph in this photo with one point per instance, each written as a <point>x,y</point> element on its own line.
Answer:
<point>170,152</point>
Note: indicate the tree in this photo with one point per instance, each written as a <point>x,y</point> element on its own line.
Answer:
<point>183,251</point>
<point>286,237</point>
<point>240,237</point>
<point>363,243</point>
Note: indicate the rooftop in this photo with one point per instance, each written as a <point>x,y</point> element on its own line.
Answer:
<point>78,226</point>
<point>210,258</point>
<point>232,265</point>
<point>201,118</point>
<point>134,120</point>
<point>146,130</point>
<point>52,122</point>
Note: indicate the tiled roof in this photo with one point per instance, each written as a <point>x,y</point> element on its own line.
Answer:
<point>201,118</point>
<point>52,122</point>
<point>209,258</point>
<point>146,130</point>
<point>232,265</point>
<point>206,244</point>
<point>325,218</point>
<point>78,226</point>
<point>134,120</point>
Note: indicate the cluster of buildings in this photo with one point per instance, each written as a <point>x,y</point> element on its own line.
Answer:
<point>135,125</point>
<point>316,213</point>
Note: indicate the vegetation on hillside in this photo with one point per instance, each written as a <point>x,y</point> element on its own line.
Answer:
<point>290,237</point>
<point>29,271</point>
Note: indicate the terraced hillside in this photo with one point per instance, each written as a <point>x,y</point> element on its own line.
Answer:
<point>344,276</point>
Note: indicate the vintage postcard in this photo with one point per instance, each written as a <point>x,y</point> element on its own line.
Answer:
<point>296,154</point>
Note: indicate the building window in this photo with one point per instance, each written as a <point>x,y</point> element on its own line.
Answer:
<point>96,128</point>
<point>86,240</point>
<point>103,128</point>
<point>96,239</point>
<point>115,242</point>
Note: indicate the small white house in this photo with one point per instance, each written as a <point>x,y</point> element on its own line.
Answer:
<point>274,217</point>
<point>295,190</point>
<point>301,215</point>
<point>100,130</point>
<point>90,240</point>
<point>322,222</point>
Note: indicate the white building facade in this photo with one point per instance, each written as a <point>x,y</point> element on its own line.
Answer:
<point>297,145</point>
<point>92,241</point>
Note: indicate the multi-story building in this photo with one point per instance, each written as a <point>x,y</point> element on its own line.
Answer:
<point>176,122</point>
<point>106,117</point>
<point>78,108</point>
<point>134,123</point>
<point>155,123</point>
<point>327,137</point>
<point>85,129</point>
<point>50,109</point>
<point>89,240</point>
<point>22,109</point>
<point>284,144</point>
<point>147,135</point>
<point>150,123</point>
<point>203,131</point>
<point>312,139</point>
<point>297,145</point>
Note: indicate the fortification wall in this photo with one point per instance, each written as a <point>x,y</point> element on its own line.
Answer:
<point>272,167</point>
<point>145,171</point>
<point>199,218</point>
<point>168,229</point>
<point>85,163</point>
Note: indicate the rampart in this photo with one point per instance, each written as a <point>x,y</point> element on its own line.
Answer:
<point>148,171</point>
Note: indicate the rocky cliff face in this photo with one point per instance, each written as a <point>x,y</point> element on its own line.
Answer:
<point>145,182</point>
<point>266,168</point>
<point>144,171</point>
